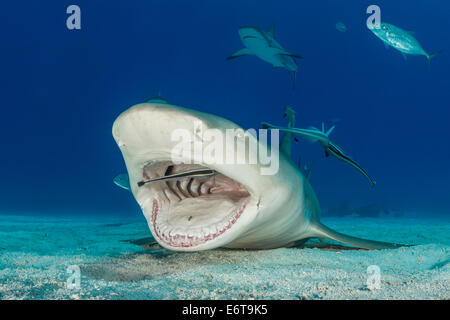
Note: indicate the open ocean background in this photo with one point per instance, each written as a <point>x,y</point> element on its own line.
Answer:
<point>62,89</point>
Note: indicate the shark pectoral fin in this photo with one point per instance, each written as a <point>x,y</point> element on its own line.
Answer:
<point>122,180</point>
<point>290,55</point>
<point>286,53</point>
<point>271,29</point>
<point>322,231</point>
<point>240,53</point>
<point>147,243</point>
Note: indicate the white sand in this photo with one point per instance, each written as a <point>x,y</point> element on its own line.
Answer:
<point>35,254</point>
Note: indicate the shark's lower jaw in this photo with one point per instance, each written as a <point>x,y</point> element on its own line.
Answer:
<point>194,213</point>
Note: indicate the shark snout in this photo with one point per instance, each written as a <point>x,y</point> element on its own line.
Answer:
<point>156,129</point>
<point>248,32</point>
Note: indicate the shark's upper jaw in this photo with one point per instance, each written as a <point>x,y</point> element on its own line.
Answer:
<point>194,213</point>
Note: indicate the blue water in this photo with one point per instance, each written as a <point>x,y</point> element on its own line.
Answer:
<point>62,89</point>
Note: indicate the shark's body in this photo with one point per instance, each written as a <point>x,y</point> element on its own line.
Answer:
<point>240,208</point>
<point>400,39</point>
<point>262,44</point>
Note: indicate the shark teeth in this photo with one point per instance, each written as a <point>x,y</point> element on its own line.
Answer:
<point>177,237</point>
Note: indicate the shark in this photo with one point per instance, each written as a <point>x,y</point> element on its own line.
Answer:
<point>236,208</point>
<point>400,39</point>
<point>262,44</point>
<point>157,99</point>
<point>313,134</point>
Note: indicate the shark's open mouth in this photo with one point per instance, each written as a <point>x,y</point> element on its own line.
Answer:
<point>192,211</point>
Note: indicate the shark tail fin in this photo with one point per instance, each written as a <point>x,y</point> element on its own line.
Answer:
<point>322,231</point>
<point>432,55</point>
<point>294,78</point>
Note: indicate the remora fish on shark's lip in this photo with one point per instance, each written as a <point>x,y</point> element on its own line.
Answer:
<point>262,44</point>
<point>400,39</point>
<point>331,148</point>
<point>237,208</point>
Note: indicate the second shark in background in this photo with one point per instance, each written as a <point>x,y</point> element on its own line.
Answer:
<point>262,44</point>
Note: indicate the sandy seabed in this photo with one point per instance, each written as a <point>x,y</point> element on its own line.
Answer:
<point>36,252</point>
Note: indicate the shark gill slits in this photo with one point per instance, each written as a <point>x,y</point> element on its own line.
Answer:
<point>182,190</point>
<point>189,186</point>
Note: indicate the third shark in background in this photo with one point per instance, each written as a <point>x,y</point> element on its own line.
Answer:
<point>331,148</point>
<point>262,44</point>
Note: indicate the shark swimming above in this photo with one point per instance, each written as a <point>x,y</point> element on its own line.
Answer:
<point>402,40</point>
<point>236,208</point>
<point>262,44</point>
<point>331,148</point>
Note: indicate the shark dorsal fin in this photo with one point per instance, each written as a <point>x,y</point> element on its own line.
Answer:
<point>330,130</point>
<point>271,29</point>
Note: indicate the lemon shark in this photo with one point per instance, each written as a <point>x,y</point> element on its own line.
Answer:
<point>262,44</point>
<point>402,40</point>
<point>238,207</point>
